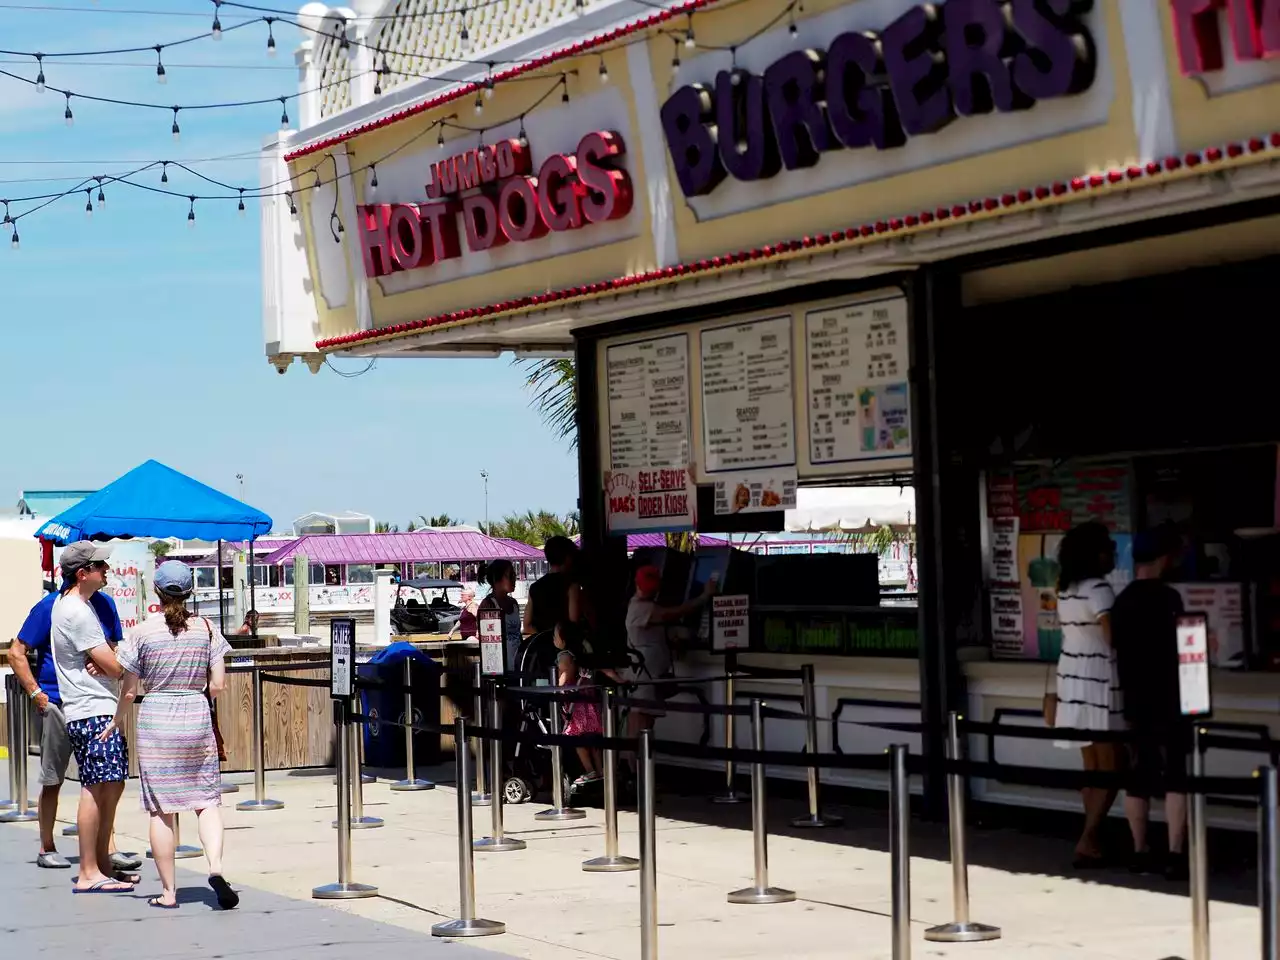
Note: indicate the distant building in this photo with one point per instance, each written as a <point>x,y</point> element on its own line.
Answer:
<point>344,522</point>
<point>49,503</point>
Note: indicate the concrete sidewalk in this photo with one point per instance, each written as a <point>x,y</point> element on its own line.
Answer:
<point>554,910</point>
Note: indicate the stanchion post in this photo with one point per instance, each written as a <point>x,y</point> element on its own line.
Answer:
<point>899,852</point>
<point>960,930</point>
<point>411,780</point>
<point>182,851</point>
<point>731,794</point>
<point>558,812</point>
<point>481,796</point>
<point>1198,854</point>
<point>467,924</point>
<point>611,862</point>
<point>259,803</point>
<point>497,842</point>
<point>815,817</point>
<point>344,889</point>
<point>11,801</point>
<point>19,737</point>
<point>760,891</point>
<point>648,850</point>
<point>1268,863</point>
<point>359,821</point>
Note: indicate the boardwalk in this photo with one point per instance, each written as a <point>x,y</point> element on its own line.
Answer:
<point>554,911</point>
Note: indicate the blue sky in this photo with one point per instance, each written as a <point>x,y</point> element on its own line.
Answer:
<point>128,335</point>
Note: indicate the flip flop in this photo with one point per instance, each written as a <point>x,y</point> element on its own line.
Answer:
<point>228,899</point>
<point>106,886</point>
<point>155,902</point>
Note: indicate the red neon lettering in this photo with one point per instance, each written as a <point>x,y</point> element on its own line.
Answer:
<point>518,209</point>
<point>1254,26</point>
<point>480,217</point>
<point>558,197</point>
<point>608,191</point>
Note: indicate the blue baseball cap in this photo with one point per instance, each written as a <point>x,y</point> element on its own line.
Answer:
<point>174,578</point>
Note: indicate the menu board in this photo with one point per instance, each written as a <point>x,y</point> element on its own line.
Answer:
<point>649,403</point>
<point>857,363</point>
<point>747,410</point>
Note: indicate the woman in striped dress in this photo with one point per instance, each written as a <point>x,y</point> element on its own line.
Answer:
<point>176,658</point>
<point>1089,695</point>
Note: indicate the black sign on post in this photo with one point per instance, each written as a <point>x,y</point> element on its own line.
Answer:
<point>342,657</point>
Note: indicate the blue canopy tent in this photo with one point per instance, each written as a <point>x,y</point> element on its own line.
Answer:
<point>153,500</point>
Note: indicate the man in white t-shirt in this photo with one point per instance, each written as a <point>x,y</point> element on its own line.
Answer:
<point>89,681</point>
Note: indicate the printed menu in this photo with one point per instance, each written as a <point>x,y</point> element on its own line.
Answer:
<point>649,403</point>
<point>857,374</point>
<point>747,408</point>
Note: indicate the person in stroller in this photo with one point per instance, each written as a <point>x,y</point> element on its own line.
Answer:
<point>583,716</point>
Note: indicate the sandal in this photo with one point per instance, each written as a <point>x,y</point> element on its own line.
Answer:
<point>106,885</point>
<point>228,899</point>
<point>161,905</point>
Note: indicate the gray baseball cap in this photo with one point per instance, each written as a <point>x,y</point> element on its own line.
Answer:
<point>79,555</point>
<point>174,578</point>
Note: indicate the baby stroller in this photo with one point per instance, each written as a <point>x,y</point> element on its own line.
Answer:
<point>528,767</point>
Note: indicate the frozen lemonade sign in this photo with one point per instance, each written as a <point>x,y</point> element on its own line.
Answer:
<point>650,500</point>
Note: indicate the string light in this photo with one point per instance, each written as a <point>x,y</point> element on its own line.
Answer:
<point>284,113</point>
<point>217,24</point>
<point>160,74</point>
<point>579,7</point>
<point>66,115</point>
<point>293,207</point>
<point>522,138</point>
<point>440,137</point>
<point>164,172</point>
<point>240,208</point>
<point>604,72</point>
<point>102,198</point>
<point>791,22</point>
<point>88,204</point>
<point>564,95</point>
<point>271,38</point>
<point>40,75</point>
<point>191,213</point>
<point>488,83</point>
<point>377,76</point>
<point>479,104</point>
<point>464,38</point>
<point>177,134</point>
<point>675,55</point>
<point>13,241</point>
<point>373,180</point>
<point>689,40</point>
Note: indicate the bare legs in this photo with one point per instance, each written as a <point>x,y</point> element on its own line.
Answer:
<point>47,809</point>
<point>1098,801</point>
<point>1175,811</point>
<point>95,817</point>
<point>590,760</point>
<point>210,819</point>
<point>162,848</point>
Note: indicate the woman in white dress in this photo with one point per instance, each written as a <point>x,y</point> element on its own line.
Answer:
<point>1089,695</point>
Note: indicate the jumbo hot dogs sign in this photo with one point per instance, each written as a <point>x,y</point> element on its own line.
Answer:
<point>490,196</point>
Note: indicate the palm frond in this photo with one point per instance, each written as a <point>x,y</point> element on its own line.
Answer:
<point>553,384</point>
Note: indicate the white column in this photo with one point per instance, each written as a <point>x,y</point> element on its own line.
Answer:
<point>382,600</point>
<point>301,595</point>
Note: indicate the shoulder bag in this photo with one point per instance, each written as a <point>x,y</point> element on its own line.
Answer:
<point>213,707</point>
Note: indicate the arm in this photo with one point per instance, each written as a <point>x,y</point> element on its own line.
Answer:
<point>673,614</point>
<point>217,676</point>
<point>1104,621</point>
<point>453,629</point>
<point>22,670</point>
<point>128,694</point>
<point>527,629</point>
<point>104,658</point>
<point>575,603</point>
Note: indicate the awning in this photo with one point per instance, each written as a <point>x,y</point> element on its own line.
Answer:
<point>153,500</point>
<point>851,509</point>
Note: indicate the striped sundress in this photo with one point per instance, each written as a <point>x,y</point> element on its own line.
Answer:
<point>177,753</point>
<point>1089,696</point>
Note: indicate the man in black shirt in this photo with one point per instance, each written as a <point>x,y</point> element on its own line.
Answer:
<point>1144,636</point>
<point>554,597</point>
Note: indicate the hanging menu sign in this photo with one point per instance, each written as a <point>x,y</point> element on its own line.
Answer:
<point>857,363</point>
<point>649,403</point>
<point>747,408</point>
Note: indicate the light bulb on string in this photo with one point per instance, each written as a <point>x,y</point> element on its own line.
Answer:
<point>293,208</point>
<point>340,31</point>
<point>791,24</point>
<point>13,241</point>
<point>689,41</point>
<point>164,171</point>
<point>522,138</point>
<point>440,137</point>
<point>271,37</point>
<point>216,30</point>
<point>284,113</point>
<point>88,204</point>
<point>102,197</point>
<point>604,72</point>
<point>675,56</point>
<point>161,77</point>
<point>564,92</point>
<point>240,208</point>
<point>464,38</point>
<point>488,83</point>
<point>377,76</point>
<point>66,114</point>
<point>479,104</point>
<point>176,131</point>
<point>39,73</point>
<point>373,180</point>
<point>191,213</point>
<point>579,7</point>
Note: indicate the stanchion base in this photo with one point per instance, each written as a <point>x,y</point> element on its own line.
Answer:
<point>557,814</point>
<point>368,778</point>
<point>183,852</point>
<point>10,805</point>
<point>611,865</point>
<point>468,928</point>
<point>344,891</point>
<point>765,895</point>
<point>257,806</point>
<point>227,787</point>
<point>408,785</point>
<point>15,816</point>
<point>962,933</point>
<point>71,831</point>
<point>493,845</point>
<point>733,796</point>
<point>363,823</point>
<point>820,820</point>
<point>481,799</point>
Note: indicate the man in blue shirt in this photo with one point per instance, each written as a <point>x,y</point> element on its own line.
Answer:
<point>42,688</point>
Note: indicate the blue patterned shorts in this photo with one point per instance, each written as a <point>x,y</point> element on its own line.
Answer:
<point>100,761</point>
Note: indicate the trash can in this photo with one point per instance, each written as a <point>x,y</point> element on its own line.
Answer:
<point>384,742</point>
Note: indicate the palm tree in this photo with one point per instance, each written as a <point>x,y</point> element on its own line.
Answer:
<point>438,520</point>
<point>383,527</point>
<point>160,549</point>
<point>554,385</point>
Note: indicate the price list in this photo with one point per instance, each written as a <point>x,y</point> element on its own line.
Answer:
<point>747,405</point>
<point>649,403</point>
<point>857,361</point>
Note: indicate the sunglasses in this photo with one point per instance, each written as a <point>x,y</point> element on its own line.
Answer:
<point>100,565</point>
